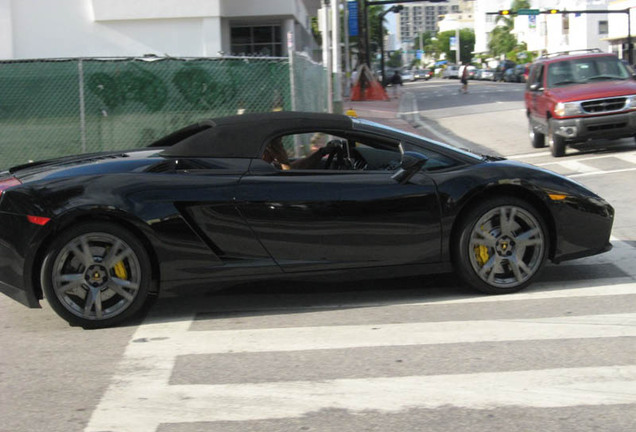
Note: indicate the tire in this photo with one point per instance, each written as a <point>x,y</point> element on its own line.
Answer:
<point>102,288</point>
<point>556,142</point>
<point>502,245</point>
<point>537,139</point>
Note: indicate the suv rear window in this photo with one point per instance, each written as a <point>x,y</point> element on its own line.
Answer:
<point>586,70</point>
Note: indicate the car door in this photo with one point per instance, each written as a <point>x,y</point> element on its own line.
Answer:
<point>205,199</point>
<point>326,219</point>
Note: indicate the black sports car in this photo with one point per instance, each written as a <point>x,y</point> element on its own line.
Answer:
<point>100,234</point>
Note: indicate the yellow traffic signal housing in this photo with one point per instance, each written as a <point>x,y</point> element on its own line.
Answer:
<point>504,12</point>
<point>553,11</point>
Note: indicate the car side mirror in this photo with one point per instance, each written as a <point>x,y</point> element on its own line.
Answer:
<point>412,162</point>
<point>536,87</point>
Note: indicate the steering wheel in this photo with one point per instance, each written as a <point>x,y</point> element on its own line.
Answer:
<point>335,150</point>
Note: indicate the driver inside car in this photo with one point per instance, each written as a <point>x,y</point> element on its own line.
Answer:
<point>276,155</point>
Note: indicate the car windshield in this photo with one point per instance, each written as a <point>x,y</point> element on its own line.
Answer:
<point>586,70</point>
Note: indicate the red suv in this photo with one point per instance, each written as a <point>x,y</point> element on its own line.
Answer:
<point>572,98</point>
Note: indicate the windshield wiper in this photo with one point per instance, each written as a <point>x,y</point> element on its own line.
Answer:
<point>565,83</point>
<point>604,77</point>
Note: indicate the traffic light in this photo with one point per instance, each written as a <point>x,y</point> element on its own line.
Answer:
<point>553,11</point>
<point>504,12</point>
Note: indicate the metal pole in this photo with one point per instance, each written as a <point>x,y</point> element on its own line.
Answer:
<point>327,42</point>
<point>384,80</point>
<point>82,103</point>
<point>629,37</point>
<point>347,83</point>
<point>335,43</point>
<point>367,34</point>
<point>457,41</point>
<point>292,76</point>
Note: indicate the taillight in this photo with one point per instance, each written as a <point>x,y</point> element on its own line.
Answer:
<point>8,183</point>
<point>38,220</point>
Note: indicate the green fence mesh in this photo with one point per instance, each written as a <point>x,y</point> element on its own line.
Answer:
<point>51,108</point>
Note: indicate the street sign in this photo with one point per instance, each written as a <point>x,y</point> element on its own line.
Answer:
<point>353,18</point>
<point>528,12</point>
<point>453,43</point>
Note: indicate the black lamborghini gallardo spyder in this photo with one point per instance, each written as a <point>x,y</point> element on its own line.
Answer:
<point>98,235</point>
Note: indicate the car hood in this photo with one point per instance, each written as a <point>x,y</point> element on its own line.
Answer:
<point>594,90</point>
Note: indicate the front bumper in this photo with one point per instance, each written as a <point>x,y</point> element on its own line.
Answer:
<point>609,126</point>
<point>584,227</point>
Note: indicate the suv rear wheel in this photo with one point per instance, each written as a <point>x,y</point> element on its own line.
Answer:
<point>556,142</point>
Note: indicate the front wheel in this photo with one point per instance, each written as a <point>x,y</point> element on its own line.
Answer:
<point>556,142</point>
<point>96,275</point>
<point>537,139</point>
<point>502,245</point>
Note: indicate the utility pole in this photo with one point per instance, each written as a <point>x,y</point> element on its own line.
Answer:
<point>347,53</point>
<point>336,57</point>
<point>326,51</point>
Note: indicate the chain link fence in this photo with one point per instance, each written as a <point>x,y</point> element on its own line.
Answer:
<point>52,108</point>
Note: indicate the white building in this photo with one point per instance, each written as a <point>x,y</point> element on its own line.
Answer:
<point>618,28</point>
<point>545,32</point>
<point>180,28</point>
<point>422,17</point>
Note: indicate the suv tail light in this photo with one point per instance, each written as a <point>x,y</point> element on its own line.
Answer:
<point>8,183</point>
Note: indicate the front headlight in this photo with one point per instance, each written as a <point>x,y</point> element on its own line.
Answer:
<point>567,109</point>
<point>631,102</point>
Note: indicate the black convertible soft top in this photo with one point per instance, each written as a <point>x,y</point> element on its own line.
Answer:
<point>243,136</point>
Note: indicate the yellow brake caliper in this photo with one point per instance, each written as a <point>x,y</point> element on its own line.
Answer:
<point>481,253</point>
<point>120,270</point>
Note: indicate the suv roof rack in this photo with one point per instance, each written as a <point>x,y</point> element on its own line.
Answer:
<point>561,53</point>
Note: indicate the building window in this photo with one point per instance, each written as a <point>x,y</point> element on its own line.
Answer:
<point>257,40</point>
<point>602,27</point>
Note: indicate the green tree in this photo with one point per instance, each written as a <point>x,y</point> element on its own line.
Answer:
<point>466,44</point>
<point>502,41</point>
<point>395,59</point>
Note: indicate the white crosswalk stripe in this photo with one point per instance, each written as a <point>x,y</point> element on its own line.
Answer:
<point>144,393</point>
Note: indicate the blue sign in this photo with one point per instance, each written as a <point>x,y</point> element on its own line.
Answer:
<point>353,18</point>
<point>419,54</point>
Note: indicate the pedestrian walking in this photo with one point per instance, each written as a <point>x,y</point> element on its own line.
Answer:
<point>396,80</point>
<point>463,75</point>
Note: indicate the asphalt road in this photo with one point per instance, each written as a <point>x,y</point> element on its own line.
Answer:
<point>397,355</point>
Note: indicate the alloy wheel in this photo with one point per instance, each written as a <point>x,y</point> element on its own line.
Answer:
<point>506,246</point>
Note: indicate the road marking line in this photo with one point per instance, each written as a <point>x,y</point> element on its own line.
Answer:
<point>554,293</point>
<point>602,172</point>
<point>578,167</point>
<point>406,334</point>
<point>144,407</point>
<point>528,155</point>
<point>630,157</point>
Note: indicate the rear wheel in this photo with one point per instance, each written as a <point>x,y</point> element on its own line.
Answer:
<point>556,142</point>
<point>502,245</point>
<point>537,139</point>
<point>96,275</point>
